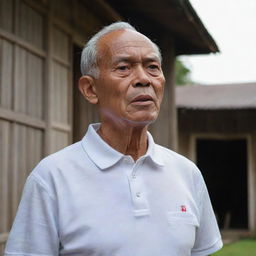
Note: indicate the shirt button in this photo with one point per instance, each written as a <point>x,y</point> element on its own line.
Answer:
<point>138,194</point>
<point>134,176</point>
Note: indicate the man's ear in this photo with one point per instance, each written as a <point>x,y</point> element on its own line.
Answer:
<point>87,88</point>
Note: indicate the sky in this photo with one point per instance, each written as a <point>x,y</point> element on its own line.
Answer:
<point>232,24</point>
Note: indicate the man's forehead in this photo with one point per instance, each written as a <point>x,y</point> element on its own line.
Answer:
<point>120,42</point>
<point>121,39</point>
<point>126,43</point>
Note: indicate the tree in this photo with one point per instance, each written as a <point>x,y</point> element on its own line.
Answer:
<point>182,73</point>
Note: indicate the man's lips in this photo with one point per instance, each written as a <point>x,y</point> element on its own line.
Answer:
<point>142,98</point>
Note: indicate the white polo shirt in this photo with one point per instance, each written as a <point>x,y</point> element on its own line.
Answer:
<point>88,199</point>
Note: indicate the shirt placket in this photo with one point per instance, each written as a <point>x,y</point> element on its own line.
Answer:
<point>137,188</point>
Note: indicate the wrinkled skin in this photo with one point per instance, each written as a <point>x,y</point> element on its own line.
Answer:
<point>128,91</point>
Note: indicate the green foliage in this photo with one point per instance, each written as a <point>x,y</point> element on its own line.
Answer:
<point>242,248</point>
<point>182,73</point>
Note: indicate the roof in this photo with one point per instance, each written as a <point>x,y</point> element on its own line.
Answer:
<point>165,19</point>
<point>226,96</point>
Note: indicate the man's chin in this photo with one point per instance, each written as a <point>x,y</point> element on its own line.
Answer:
<point>141,121</point>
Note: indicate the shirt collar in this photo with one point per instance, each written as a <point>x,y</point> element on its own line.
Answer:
<point>104,156</point>
<point>153,152</point>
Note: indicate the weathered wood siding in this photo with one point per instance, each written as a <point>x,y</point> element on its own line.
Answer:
<point>22,124</point>
<point>37,88</point>
<point>35,95</point>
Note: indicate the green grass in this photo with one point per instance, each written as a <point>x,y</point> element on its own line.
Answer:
<point>245,247</point>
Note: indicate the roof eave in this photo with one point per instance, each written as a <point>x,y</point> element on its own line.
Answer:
<point>174,19</point>
<point>193,18</point>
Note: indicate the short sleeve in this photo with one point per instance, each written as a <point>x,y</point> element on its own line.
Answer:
<point>34,231</point>
<point>208,238</point>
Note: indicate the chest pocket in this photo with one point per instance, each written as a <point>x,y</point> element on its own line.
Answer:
<point>182,218</point>
<point>182,228</point>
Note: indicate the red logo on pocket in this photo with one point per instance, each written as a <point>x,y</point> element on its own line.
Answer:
<point>183,208</point>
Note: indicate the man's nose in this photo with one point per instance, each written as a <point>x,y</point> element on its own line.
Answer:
<point>141,78</point>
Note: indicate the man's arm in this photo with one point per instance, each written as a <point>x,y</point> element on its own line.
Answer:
<point>34,230</point>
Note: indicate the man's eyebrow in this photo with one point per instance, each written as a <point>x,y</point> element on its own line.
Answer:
<point>122,59</point>
<point>152,59</point>
<point>119,59</point>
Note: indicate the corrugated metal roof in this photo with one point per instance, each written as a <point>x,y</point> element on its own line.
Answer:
<point>226,96</point>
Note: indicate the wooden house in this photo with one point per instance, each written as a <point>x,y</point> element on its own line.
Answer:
<point>217,130</point>
<point>41,110</point>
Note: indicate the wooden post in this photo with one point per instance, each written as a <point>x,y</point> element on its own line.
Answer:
<point>252,184</point>
<point>165,128</point>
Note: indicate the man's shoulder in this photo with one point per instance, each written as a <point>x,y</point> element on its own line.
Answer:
<point>168,154</point>
<point>62,159</point>
<point>180,162</point>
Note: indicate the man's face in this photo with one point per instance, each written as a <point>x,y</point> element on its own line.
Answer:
<point>130,84</point>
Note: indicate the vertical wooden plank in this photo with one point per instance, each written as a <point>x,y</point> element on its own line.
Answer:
<point>32,104</point>
<point>18,166</point>
<point>20,88</point>
<point>37,28</point>
<point>13,179</point>
<point>59,140</point>
<point>6,15</point>
<point>54,92</point>
<point>2,245</point>
<point>61,44</point>
<point>35,86</point>
<point>63,12</point>
<point>4,168</point>
<point>34,148</point>
<point>30,27</point>
<point>21,153</point>
<point>38,154</point>
<point>48,81</point>
<point>59,96</point>
<point>70,102</point>
<point>63,89</point>
<point>6,73</point>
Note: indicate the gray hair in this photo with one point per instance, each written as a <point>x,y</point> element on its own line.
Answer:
<point>89,54</point>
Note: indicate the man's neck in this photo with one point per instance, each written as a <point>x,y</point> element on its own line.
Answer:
<point>128,140</point>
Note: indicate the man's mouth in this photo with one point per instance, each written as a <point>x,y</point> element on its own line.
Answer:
<point>142,98</point>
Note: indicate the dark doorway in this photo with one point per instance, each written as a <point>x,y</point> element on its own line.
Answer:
<point>84,113</point>
<point>77,133</point>
<point>224,166</point>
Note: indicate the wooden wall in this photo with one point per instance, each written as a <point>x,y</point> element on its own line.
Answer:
<point>22,102</point>
<point>36,91</point>
<point>39,40</point>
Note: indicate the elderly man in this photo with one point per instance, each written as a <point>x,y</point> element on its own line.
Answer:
<point>117,193</point>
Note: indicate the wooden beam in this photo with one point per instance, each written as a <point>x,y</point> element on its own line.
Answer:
<point>22,43</point>
<point>21,118</point>
<point>61,61</point>
<point>61,127</point>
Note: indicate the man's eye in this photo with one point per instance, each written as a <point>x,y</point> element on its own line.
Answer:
<point>153,67</point>
<point>123,68</point>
